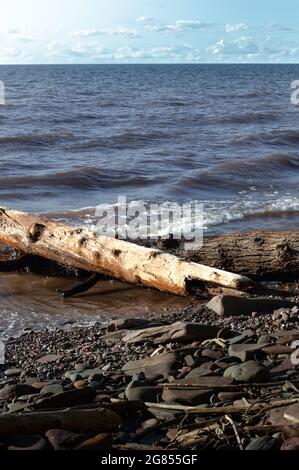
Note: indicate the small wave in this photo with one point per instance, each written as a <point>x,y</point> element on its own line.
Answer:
<point>34,138</point>
<point>241,172</point>
<point>81,178</point>
<point>219,214</point>
<point>246,118</point>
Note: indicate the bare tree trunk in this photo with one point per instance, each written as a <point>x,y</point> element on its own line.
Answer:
<point>251,253</point>
<point>84,249</point>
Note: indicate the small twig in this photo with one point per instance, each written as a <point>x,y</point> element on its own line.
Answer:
<point>229,419</point>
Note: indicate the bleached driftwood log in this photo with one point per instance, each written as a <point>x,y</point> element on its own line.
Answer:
<point>83,249</point>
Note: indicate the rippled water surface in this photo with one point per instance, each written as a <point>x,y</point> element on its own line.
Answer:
<point>72,137</point>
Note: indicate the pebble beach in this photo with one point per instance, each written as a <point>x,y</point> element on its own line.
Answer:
<point>217,375</point>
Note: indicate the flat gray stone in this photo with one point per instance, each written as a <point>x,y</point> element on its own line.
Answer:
<point>250,371</point>
<point>160,365</point>
<point>244,351</point>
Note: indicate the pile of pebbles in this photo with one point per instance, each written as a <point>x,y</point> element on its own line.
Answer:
<point>183,379</point>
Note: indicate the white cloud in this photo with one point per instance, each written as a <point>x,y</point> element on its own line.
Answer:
<point>242,45</point>
<point>117,31</point>
<point>231,28</point>
<point>145,19</point>
<point>179,26</point>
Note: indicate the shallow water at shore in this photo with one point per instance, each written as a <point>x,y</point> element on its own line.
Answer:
<point>31,301</point>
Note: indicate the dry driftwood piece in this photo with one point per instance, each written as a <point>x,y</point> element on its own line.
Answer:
<point>76,420</point>
<point>251,253</point>
<point>84,249</point>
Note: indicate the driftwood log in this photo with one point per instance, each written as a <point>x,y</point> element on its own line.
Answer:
<point>83,249</point>
<point>76,420</point>
<point>254,254</point>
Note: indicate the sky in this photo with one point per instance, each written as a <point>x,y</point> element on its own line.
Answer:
<point>149,31</point>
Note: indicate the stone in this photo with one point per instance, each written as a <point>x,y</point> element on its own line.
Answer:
<point>264,339</point>
<point>49,358</point>
<point>75,375</point>
<point>228,305</point>
<point>179,331</point>
<point>9,392</point>
<point>263,443</point>
<point>276,349</point>
<point>187,397</point>
<point>17,406</point>
<point>40,385</point>
<point>81,383</point>
<point>96,385</point>
<point>13,372</point>
<point>213,380</point>
<point>127,324</point>
<point>290,431</point>
<point>279,416</point>
<point>144,393</point>
<point>282,367</point>
<point>69,398</point>
<point>244,351</point>
<point>291,444</point>
<point>149,423</point>
<point>211,354</point>
<point>98,442</point>
<point>80,366</point>
<point>63,440</point>
<point>250,371</point>
<point>160,365</point>
<point>26,442</point>
<point>205,369</point>
<point>53,388</point>
<point>238,339</point>
<point>189,360</point>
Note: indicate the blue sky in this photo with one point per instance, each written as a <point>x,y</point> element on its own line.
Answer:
<point>149,31</point>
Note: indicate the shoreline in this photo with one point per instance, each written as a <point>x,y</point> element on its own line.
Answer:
<point>190,348</point>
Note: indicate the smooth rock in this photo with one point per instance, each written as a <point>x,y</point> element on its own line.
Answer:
<point>8,392</point>
<point>279,416</point>
<point>63,440</point>
<point>228,305</point>
<point>69,398</point>
<point>211,354</point>
<point>13,372</point>
<point>75,375</point>
<point>250,371</point>
<point>26,442</point>
<point>213,380</point>
<point>147,393</point>
<point>48,359</point>
<point>276,349</point>
<point>244,351</point>
<point>291,444</point>
<point>161,365</point>
<point>263,443</point>
<point>187,397</point>
<point>179,331</point>
<point>81,383</point>
<point>127,324</point>
<point>53,388</point>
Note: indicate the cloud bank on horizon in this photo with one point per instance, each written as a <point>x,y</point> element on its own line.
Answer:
<point>148,31</point>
